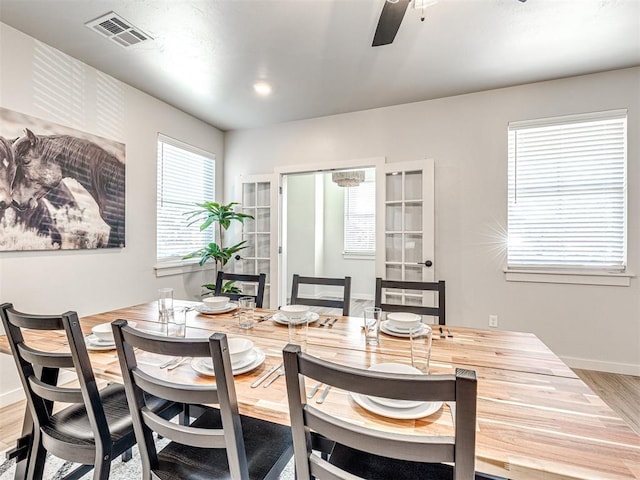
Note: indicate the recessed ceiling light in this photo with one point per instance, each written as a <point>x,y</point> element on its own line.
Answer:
<point>262,88</point>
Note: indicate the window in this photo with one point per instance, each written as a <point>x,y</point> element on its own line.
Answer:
<point>360,219</point>
<point>567,193</point>
<point>186,176</point>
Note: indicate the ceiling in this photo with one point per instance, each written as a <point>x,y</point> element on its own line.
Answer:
<point>317,55</point>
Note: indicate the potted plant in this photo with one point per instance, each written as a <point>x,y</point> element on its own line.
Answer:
<point>213,214</point>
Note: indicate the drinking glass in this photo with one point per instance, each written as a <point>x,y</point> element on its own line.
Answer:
<point>180,321</point>
<point>247,307</point>
<point>420,339</point>
<point>372,317</point>
<point>298,329</point>
<point>165,305</point>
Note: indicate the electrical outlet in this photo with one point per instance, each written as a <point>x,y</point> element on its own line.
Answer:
<point>493,321</point>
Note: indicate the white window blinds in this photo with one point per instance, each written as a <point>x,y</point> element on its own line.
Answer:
<point>360,219</point>
<point>186,176</point>
<point>567,192</point>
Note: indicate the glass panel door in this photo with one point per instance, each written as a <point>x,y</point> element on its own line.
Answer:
<point>258,195</point>
<point>405,233</point>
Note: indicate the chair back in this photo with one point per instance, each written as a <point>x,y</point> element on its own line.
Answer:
<point>260,281</point>
<point>344,304</point>
<point>438,311</point>
<point>460,388</point>
<point>137,382</point>
<point>38,371</point>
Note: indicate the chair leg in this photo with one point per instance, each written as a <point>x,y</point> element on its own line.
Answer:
<point>101,470</point>
<point>37,458</point>
<point>126,455</point>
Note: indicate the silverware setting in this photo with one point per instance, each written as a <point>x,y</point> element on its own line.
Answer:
<point>324,394</point>
<point>449,334</point>
<point>266,375</point>
<point>327,322</point>
<point>275,377</point>
<point>177,364</point>
<point>331,322</point>
<point>265,317</point>
<point>314,390</point>
<point>171,362</point>
<point>442,335</point>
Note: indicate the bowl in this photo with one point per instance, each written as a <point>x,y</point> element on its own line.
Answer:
<point>104,331</point>
<point>294,312</point>
<point>404,320</point>
<point>239,348</point>
<point>215,303</point>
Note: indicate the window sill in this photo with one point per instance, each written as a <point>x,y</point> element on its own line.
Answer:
<point>180,267</point>
<point>575,277</point>
<point>358,256</point>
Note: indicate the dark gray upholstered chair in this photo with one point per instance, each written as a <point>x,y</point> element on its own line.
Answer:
<point>344,304</point>
<point>219,443</point>
<point>439,287</point>
<point>260,281</point>
<point>372,454</point>
<point>96,427</point>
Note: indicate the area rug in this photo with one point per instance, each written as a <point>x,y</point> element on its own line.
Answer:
<point>56,469</point>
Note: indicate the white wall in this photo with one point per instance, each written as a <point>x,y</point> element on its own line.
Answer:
<point>96,280</point>
<point>590,326</point>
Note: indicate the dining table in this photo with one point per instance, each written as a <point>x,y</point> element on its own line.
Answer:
<point>536,419</point>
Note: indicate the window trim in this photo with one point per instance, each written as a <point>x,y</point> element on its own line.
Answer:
<point>573,275</point>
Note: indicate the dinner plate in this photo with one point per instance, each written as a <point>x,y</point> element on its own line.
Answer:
<point>243,362</point>
<point>384,328</point>
<point>282,319</point>
<point>395,328</point>
<point>395,368</point>
<point>97,344</point>
<point>202,308</point>
<point>404,320</point>
<point>199,366</point>
<point>423,410</point>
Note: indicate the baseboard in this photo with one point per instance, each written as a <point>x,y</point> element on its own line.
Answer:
<point>17,394</point>
<point>602,366</point>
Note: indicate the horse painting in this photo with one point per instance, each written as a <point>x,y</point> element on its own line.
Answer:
<point>42,162</point>
<point>6,174</point>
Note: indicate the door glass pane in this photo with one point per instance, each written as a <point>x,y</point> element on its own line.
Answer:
<point>393,247</point>
<point>393,218</point>
<point>413,248</point>
<point>250,251</point>
<point>248,194</point>
<point>413,217</point>
<point>263,245</point>
<point>264,194</point>
<point>263,267</point>
<point>411,298</point>
<point>263,220</point>
<point>394,187</point>
<point>267,294</point>
<point>413,273</point>
<point>249,223</point>
<point>248,288</point>
<point>394,298</point>
<point>413,185</point>
<point>248,267</point>
<point>393,272</point>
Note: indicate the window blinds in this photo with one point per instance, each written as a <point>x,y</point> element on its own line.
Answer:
<point>186,176</point>
<point>360,219</point>
<point>567,192</point>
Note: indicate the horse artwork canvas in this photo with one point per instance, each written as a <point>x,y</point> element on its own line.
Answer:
<point>59,188</point>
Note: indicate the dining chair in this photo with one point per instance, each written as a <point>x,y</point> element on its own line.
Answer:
<point>439,287</point>
<point>375,454</point>
<point>219,443</point>
<point>96,427</point>
<point>260,281</point>
<point>344,304</point>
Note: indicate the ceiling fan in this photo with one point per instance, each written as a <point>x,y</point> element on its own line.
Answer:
<point>391,17</point>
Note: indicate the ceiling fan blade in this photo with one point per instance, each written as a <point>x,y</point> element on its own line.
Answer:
<point>389,23</point>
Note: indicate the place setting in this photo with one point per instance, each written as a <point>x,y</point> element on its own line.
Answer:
<point>245,357</point>
<point>400,324</point>
<point>101,337</point>
<point>215,305</point>
<point>294,313</point>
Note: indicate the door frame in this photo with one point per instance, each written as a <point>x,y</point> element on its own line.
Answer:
<point>370,162</point>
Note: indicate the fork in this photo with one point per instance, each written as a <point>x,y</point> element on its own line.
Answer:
<point>275,377</point>
<point>314,390</point>
<point>171,361</point>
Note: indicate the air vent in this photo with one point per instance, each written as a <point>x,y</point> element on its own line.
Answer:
<point>116,28</point>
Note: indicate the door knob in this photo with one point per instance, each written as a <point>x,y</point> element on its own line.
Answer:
<point>426,263</point>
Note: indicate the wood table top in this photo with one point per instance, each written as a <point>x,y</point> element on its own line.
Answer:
<point>536,418</point>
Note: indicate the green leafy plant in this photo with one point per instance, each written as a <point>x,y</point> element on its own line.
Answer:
<point>212,214</point>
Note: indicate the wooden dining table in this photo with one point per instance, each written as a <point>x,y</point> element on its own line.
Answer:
<point>535,418</point>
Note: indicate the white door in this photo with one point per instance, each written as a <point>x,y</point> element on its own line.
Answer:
<point>405,236</point>
<point>259,198</point>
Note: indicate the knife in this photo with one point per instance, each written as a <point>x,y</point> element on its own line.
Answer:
<point>314,390</point>
<point>265,376</point>
<point>324,394</point>
<point>176,365</point>
<point>442,335</point>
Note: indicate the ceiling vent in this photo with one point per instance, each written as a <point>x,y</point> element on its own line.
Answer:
<point>119,30</point>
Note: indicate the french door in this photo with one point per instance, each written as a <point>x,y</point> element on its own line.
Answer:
<point>259,198</point>
<point>405,236</point>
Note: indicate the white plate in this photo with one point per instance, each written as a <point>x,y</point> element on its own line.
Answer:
<point>395,368</point>
<point>202,368</point>
<point>403,321</point>
<point>282,319</point>
<point>202,308</point>
<point>423,410</point>
<point>249,358</point>
<point>96,344</point>
<point>395,328</point>
<point>384,328</point>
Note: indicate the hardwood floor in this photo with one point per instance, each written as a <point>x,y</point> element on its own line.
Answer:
<point>620,392</point>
